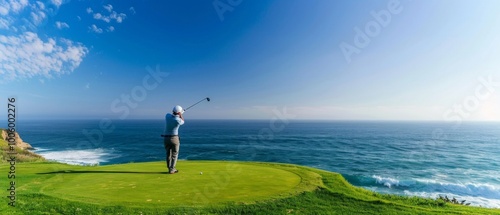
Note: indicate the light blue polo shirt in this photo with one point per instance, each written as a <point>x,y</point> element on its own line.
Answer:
<point>172,124</point>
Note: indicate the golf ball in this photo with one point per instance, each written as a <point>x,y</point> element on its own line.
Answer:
<point>201,173</point>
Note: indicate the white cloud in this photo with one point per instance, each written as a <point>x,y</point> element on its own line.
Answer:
<point>4,23</point>
<point>97,16</point>
<point>118,17</point>
<point>108,7</point>
<point>40,5</point>
<point>95,29</point>
<point>132,9</point>
<point>4,10</point>
<point>27,55</point>
<point>79,18</point>
<point>17,6</point>
<point>61,25</point>
<point>57,2</point>
<point>12,6</point>
<point>38,17</point>
<point>108,18</point>
<point>24,15</point>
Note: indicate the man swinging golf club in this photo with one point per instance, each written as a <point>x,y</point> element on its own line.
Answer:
<point>171,138</point>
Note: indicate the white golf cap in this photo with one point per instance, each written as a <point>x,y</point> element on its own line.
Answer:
<point>178,109</point>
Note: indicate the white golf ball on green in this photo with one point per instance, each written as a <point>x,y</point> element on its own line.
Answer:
<point>201,173</point>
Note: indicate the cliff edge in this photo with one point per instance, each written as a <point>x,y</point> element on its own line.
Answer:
<point>22,148</point>
<point>19,142</point>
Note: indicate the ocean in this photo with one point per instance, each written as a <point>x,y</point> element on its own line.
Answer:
<point>425,159</point>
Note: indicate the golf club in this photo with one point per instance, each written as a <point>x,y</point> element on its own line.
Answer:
<point>208,99</point>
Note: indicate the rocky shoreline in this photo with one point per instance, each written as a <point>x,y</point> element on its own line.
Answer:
<point>19,142</point>
<point>23,149</point>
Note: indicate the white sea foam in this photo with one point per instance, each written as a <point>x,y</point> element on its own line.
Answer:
<point>79,157</point>
<point>474,200</point>
<point>465,189</point>
<point>38,149</point>
<point>479,194</point>
<point>388,182</point>
<point>391,182</point>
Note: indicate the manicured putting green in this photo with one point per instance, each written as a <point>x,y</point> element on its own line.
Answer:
<point>150,183</point>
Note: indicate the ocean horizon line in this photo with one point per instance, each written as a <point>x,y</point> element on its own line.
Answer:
<point>264,119</point>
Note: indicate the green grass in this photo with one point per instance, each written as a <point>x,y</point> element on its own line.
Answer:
<point>223,188</point>
<point>149,184</point>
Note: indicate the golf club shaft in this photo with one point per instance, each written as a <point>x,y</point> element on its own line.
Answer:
<point>196,103</point>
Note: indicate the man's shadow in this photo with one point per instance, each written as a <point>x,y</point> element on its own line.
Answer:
<point>96,171</point>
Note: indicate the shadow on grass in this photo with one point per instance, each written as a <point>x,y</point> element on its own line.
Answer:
<point>94,171</point>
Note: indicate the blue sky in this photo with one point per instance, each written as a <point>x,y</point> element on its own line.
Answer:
<point>407,60</point>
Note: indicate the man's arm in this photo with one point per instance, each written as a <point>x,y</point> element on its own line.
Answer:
<point>180,116</point>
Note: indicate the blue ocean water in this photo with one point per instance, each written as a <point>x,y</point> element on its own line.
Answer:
<point>408,158</point>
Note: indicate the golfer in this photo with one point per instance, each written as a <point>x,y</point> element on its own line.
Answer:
<point>171,138</point>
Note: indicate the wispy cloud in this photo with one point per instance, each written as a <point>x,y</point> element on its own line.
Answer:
<point>9,10</point>
<point>38,17</point>
<point>61,25</point>
<point>118,17</point>
<point>108,15</point>
<point>4,23</point>
<point>95,29</point>
<point>98,16</point>
<point>12,6</point>
<point>27,56</point>
<point>108,7</point>
<point>57,3</point>
<point>132,10</point>
<point>40,5</point>
<point>23,15</point>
